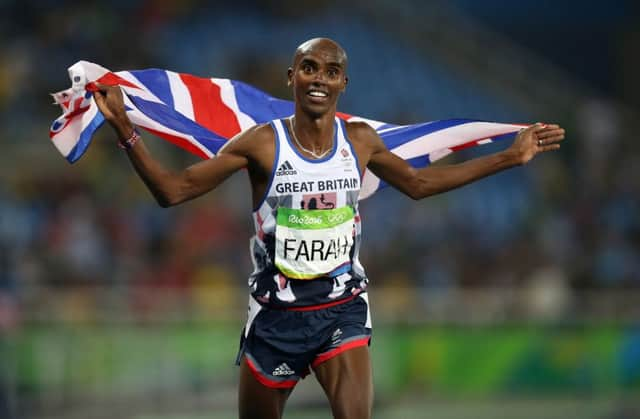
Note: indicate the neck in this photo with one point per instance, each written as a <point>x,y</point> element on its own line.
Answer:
<point>314,133</point>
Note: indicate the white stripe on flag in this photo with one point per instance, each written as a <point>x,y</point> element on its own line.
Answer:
<point>450,137</point>
<point>181,97</point>
<point>91,70</point>
<point>67,139</point>
<point>228,95</point>
<point>138,118</point>
<point>374,124</point>
<point>369,185</point>
<point>142,92</point>
<point>386,130</point>
<point>439,154</point>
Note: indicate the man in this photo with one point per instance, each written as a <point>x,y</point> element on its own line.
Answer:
<point>308,307</point>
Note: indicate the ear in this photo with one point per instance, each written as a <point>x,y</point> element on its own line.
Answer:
<point>344,86</point>
<point>289,76</point>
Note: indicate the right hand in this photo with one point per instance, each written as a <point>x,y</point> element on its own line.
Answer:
<point>535,139</point>
<point>111,104</point>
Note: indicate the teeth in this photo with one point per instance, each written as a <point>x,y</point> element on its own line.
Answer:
<point>317,94</point>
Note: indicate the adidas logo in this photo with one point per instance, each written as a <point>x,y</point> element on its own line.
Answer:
<point>286,169</point>
<point>336,337</point>
<point>282,369</point>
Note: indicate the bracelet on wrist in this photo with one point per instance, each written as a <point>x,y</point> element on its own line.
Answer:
<point>128,143</point>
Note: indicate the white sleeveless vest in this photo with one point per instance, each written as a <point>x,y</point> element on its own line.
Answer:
<point>308,226</point>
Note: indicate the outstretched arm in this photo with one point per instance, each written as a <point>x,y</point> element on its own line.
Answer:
<point>431,180</point>
<point>168,187</point>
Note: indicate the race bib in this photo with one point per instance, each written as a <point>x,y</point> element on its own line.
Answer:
<point>313,243</point>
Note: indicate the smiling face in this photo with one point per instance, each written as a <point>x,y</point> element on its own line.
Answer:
<point>318,75</point>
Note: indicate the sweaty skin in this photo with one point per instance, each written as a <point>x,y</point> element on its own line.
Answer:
<point>317,77</point>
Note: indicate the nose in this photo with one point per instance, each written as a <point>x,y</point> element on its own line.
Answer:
<point>320,77</point>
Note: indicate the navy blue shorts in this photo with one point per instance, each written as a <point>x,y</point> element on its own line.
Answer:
<point>280,346</point>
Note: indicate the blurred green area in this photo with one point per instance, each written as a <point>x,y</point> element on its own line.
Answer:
<point>469,409</point>
<point>443,361</point>
<point>456,372</point>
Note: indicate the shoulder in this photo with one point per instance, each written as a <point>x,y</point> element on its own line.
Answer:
<point>359,130</point>
<point>251,141</point>
<point>256,134</point>
<point>363,135</point>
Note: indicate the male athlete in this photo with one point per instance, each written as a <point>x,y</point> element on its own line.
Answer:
<point>308,306</point>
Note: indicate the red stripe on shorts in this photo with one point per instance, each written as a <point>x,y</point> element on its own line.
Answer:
<point>321,306</point>
<point>340,349</point>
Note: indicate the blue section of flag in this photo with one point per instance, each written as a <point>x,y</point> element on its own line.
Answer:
<point>258,105</point>
<point>85,138</point>
<point>157,81</point>
<point>420,161</point>
<point>502,137</point>
<point>56,125</point>
<point>385,126</point>
<point>401,135</point>
<point>174,120</point>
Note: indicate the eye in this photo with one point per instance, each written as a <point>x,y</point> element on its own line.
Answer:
<point>307,68</point>
<point>333,73</point>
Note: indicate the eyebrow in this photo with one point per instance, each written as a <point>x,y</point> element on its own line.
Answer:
<point>310,60</point>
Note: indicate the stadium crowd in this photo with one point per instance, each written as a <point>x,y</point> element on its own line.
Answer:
<point>567,222</point>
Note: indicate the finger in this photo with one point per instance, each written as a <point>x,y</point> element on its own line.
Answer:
<point>530,129</point>
<point>104,88</point>
<point>98,96</point>
<point>91,87</point>
<point>101,103</point>
<point>549,147</point>
<point>550,126</point>
<point>555,139</point>
<point>538,126</point>
<point>541,128</point>
<point>549,129</point>
<point>551,140</point>
<point>548,134</point>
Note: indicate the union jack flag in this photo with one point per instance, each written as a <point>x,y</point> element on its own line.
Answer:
<point>201,114</point>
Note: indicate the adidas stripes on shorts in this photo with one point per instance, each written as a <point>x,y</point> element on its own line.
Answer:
<point>280,346</point>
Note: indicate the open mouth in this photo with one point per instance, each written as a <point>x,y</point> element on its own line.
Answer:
<point>317,95</point>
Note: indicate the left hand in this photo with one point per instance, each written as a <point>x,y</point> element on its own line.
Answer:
<point>110,101</point>
<point>535,139</point>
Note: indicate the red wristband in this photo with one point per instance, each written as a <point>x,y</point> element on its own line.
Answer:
<point>126,144</point>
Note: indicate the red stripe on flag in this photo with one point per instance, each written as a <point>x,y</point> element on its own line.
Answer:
<point>465,145</point>
<point>343,115</point>
<point>474,142</point>
<point>180,142</point>
<point>208,108</point>
<point>111,79</point>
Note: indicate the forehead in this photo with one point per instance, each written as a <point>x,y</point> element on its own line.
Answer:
<point>320,51</point>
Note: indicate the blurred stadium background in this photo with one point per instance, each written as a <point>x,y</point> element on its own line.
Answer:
<point>516,297</point>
